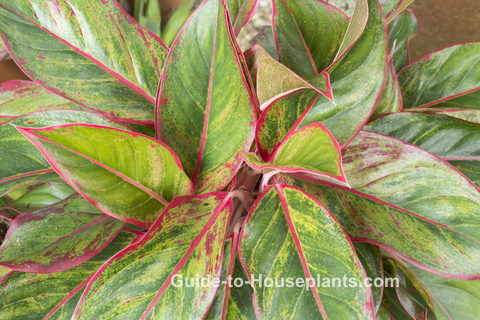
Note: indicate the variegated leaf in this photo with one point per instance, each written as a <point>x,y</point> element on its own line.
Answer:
<point>444,79</point>
<point>391,99</point>
<point>43,195</point>
<point>132,178</point>
<point>356,27</point>
<point>400,32</point>
<point>463,114</point>
<point>450,138</point>
<point>311,150</point>
<point>393,8</point>
<point>308,34</point>
<point>362,68</point>
<point>371,258</point>
<point>274,79</point>
<point>357,81</point>
<point>206,120</point>
<point>290,235</point>
<point>411,203</point>
<point>452,299</point>
<point>90,52</point>
<point>403,301</point>
<point>51,296</point>
<point>241,12</point>
<point>470,168</point>
<point>234,298</point>
<point>20,97</point>
<point>186,242</point>
<point>21,162</point>
<point>447,137</point>
<point>3,51</point>
<point>58,237</point>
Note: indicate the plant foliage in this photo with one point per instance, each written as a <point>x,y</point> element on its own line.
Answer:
<point>321,151</point>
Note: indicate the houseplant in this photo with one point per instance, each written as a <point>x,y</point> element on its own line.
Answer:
<point>131,169</point>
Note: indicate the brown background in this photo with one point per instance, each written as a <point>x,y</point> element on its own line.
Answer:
<point>444,22</point>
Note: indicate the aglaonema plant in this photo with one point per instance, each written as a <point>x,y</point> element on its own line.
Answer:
<point>131,171</point>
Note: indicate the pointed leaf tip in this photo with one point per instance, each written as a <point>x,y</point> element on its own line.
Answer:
<point>110,176</point>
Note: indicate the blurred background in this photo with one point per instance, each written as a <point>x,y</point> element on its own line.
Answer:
<point>441,23</point>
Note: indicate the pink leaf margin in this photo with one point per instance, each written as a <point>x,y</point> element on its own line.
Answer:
<point>156,227</point>
<point>58,265</point>
<point>240,59</point>
<point>427,57</point>
<point>279,190</point>
<point>271,158</point>
<point>31,134</point>
<point>116,75</point>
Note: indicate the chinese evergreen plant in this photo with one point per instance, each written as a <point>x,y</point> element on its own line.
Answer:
<point>321,151</point>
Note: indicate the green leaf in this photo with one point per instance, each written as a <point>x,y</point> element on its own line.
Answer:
<point>206,120</point>
<point>186,241</point>
<point>450,138</point>
<point>311,150</point>
<point>453,299</point>
<point>132,177</point>
<point>356,27</point>
<point>92,53</point>
<point>44,195</point>
<point>274,79</point>
<point>446,137</point>
<point>19,97</point>
<point>20,184</point>
<point>148,13</point>
<point>464,114</point>
<point>308,34</point>
<point>233,299</point>
<point>470,168</point>
<point>34,296</point>
<point>288,234</point>
<point>265,39</point>
<point>21,162</point>
<point>58,237</point>
<point>6,211</point>
<point>241,12</point>
<point>371,258</point>
<point>391,98</point>
<point>357,81</point>
<point>400,32</point>
<point>389,5</point>
<point>411,293</point>
<point>393,8</point>
<point>407,201</point>
<point>178,18</point>
<point>444,79</point>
